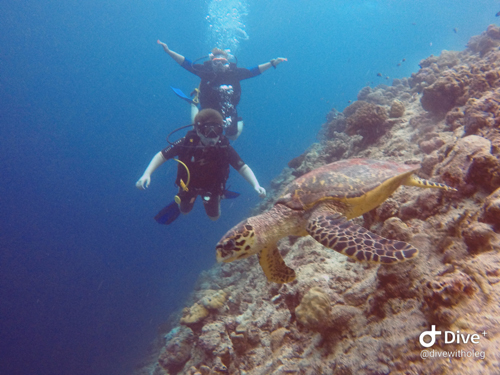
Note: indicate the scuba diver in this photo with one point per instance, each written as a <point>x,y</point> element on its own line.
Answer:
<point>204,156</point>
<point>220,87</point>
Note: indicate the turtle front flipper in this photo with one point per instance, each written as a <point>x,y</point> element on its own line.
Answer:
<point>274,266</point>
<point>336,233</point>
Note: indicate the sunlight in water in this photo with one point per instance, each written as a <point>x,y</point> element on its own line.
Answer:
<point>226,23</point>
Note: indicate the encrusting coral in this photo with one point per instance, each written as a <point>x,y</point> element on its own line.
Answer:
<point>343,317</point>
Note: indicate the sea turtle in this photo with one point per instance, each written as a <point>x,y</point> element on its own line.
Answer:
<point>319,204</point>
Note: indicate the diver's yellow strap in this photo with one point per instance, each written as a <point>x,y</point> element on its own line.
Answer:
<point>184,186</point>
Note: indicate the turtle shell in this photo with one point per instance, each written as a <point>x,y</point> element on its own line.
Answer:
<point>344,179</point>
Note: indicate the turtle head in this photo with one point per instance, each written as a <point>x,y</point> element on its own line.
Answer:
<point>237,243</point>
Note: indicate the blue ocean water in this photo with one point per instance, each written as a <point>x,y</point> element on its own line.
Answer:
<point>86,274</point>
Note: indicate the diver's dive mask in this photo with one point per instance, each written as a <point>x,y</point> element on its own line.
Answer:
<point>210,129</point>
<point>219,62</point>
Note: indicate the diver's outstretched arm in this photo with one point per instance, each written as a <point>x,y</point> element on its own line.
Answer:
<point>144,181</point>
<point>274,63</point>
<point>179,59</point>
<point>248,175</point>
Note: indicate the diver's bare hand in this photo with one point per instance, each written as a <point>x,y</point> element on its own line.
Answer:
<point>261,191</point>
<point>143,182</point>
<point>279,60</point>
<point>165,47</point>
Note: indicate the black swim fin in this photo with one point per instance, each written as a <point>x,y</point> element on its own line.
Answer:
<point>168,214</point>
<point>171,212</point>
<point>181,95</point>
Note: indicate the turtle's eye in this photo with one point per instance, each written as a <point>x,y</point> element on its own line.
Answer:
<point>229,245</point>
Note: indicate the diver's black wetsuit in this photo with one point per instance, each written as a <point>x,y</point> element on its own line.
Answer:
<point>208,168</point>
<point>221,90</point>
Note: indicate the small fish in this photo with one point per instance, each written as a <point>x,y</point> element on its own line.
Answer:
<point>403,60</point>
<point>455,30</point>
<point>387,77</point>
<point>399,64</point>
<point>379,74</point>
<point>349,101</point>
<point>498,14</point>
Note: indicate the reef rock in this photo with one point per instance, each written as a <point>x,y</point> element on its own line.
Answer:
<point>177,350</point>
<point>490,212</point>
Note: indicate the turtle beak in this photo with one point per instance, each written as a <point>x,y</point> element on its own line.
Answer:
<point>225,250</point>
<point>236,244</point>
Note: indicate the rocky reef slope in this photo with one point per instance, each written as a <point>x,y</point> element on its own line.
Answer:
<point>344,317</point>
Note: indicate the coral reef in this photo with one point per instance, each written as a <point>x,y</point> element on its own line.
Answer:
<point>365,119</point>
<point>486,41</point>
<point>343,317</point>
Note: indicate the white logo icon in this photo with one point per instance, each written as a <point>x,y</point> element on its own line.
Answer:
<point>433,333</point>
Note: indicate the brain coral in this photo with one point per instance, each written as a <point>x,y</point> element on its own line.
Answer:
<point>314,309</point>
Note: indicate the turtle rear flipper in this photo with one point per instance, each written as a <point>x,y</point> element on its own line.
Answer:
<point>274,266</point>
<point>420,182</point>
<point>354,241</point>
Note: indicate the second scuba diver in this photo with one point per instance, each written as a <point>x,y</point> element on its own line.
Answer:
<point>204,157</point>
<point>220,87</point>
